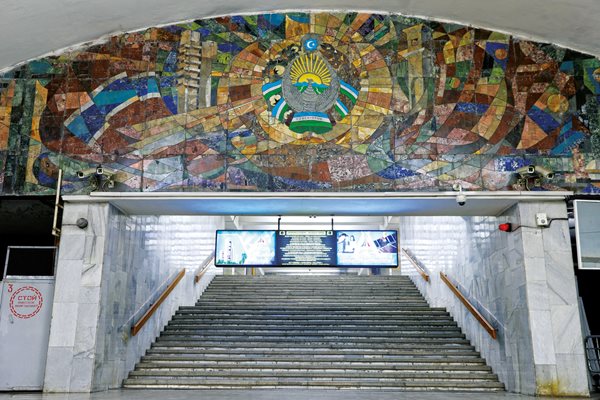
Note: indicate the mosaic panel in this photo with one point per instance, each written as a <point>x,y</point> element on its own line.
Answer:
<point>302,102</point>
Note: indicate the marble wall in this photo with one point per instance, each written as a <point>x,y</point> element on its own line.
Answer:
<point>522,282</point>
<point>139,257</point>
<point>105,275</point>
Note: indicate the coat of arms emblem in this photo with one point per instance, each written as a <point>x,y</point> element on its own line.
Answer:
<point>308,92</point>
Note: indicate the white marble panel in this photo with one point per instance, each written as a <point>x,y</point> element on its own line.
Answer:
<point>87,325</point>
<point>58,369</point>
<point>565,319</point>
<point>63,325</point>
<point>546,378</point>
<point>81,374</point>
<point>556,236</point>
<point>537,296</point>
<point>542,336</point>
<point>72,247</point>
<point>91,275</point>
<point>532,242</point>
<point>89,294</point>
<point>94,249</point>
<point>535,268</point>
<point>68,280</point>
<point>97,219</point>
<point>572,375</point>
<point>73,212</point>
<point>71,230</point>
<point>560,278</point>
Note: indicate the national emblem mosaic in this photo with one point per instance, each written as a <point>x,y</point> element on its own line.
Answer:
<point>303,102</point>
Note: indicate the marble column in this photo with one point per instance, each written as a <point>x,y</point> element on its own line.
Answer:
<point>556,334</point>
<point>70,361</point>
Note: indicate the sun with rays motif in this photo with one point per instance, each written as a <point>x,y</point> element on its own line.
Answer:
<point>310,67</point>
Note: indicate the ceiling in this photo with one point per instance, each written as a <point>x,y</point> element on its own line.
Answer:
<point>314,203</point>
<point>311,206</point>
<point>31,28</point>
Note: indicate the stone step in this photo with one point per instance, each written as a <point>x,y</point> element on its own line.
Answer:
<point>190,324</point>
<point>419,312</point>
<point>348,290</point>
<point>305,282</point>
<point>324,362</point>
<point>268,347</point>
<point>176,373</point>
<point>336,285</point>
<point>338,280</point>
<point>322,332</point>
<point>348,342</point>
<point>318,367</point>
<point>358,302</point>
<point>311,286</point>
<point>394,308</point>
<point>180,320</point>
<point>293,319</point>
<point>351,292</point>
<point>313,277</point>
<point>343,353</point>
<point>309,356</point>
<point>255,281</point>
<point>304,353</point>
<point>306,296</point>
<point>315,305</point>
<point>302,331</point>
<point>342,336</point>
<point>292,383</point>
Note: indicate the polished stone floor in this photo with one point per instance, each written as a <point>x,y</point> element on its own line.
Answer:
<point>268,395</point>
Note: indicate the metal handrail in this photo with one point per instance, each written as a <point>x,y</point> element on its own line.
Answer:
<point>136,327</point>
<point>204,266</point>
<point>414,263</point>
<point>484,322</point>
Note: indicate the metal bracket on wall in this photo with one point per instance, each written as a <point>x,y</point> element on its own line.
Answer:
<point>57,205</point>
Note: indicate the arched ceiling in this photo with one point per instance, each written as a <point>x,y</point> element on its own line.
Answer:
<point>31,28</point>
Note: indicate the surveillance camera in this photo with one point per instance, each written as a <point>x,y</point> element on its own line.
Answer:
<point>110,184</point>
<point>457,187</point>
<point>545,172</point>
<point>461,199</point>
<point>80,174</point>
<point>99,170</point>
<point>527,170</point>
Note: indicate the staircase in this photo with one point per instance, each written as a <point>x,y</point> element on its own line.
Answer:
<point>341,332</point>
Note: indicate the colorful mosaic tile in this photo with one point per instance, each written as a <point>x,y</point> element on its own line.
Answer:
<point>303,102</point>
